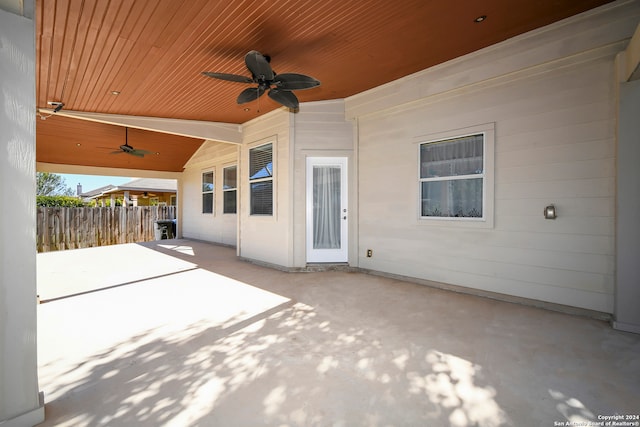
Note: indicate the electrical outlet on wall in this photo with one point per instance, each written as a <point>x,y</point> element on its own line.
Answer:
<point>369,253</point>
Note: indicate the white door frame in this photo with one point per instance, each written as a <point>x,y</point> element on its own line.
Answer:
<point>337,255</point>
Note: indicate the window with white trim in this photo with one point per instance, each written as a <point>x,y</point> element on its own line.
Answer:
<point>452,177</point>
<point>229,189</point>
<point>261,180</point>
<point>207,192</point>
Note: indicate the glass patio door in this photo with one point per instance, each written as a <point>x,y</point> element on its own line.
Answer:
<point>327,216</point>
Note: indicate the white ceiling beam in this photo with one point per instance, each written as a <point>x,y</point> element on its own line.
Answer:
<point>104,171</point>
<point>215,131</point>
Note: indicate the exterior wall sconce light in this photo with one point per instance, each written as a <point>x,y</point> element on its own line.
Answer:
<point>550,212</point>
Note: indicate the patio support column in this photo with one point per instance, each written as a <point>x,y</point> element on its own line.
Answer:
<point>179,205</point>
<point>627,292</point>
<point>627,289</point>
<point>20,402</point>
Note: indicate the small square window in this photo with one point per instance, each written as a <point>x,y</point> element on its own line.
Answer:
<point>452,177</point>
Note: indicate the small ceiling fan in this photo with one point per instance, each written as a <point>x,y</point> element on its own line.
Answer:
<point>278,86</point>
<point>126,148</point>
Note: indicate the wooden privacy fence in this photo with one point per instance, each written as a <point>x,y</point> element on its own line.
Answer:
<point>61,228</point>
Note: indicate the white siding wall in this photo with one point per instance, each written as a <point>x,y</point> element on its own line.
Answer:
<point>268,238</point>
<point>554,143</point>
<point>217,227</point>
<point>320,130</point>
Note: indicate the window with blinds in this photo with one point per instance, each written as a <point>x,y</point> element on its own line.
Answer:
<point>261,179</point>
<point>229,189</point>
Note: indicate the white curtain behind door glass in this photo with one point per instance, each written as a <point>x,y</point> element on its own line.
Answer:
<point>326,207</point>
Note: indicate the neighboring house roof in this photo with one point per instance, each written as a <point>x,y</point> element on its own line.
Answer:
<point>155,185</point>
<point>148,184</point>
<point>96,192</point>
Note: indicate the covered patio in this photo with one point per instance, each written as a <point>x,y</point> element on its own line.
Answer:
<point>183,333</point>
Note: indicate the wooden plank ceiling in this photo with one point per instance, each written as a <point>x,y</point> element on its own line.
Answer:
<point>63,140</point>
<point>152,52</point>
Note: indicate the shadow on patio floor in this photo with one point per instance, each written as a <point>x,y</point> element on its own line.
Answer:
<point>225,342</point>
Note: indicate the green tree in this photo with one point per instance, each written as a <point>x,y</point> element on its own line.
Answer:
<point>59,201</point>
<point>50,184</point>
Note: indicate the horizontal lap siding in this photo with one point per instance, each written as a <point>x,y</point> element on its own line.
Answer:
<point>267,238</point>
<point>554,144</point>
<point>320,130</point>
<point>217,227</point>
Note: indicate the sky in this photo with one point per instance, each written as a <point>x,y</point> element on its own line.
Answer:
<point>91,182</point>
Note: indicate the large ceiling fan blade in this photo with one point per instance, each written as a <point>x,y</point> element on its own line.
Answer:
<point>259,66</point>
<point>228,77</point>
<point>294,81</point>
<point>284,97</point>
<point>250,94</point>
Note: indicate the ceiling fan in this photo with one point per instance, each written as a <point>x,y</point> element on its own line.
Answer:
<point>278,86</point>
<point>126,148</point>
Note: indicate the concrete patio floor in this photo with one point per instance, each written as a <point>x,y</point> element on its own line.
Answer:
<point>182,333</point>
